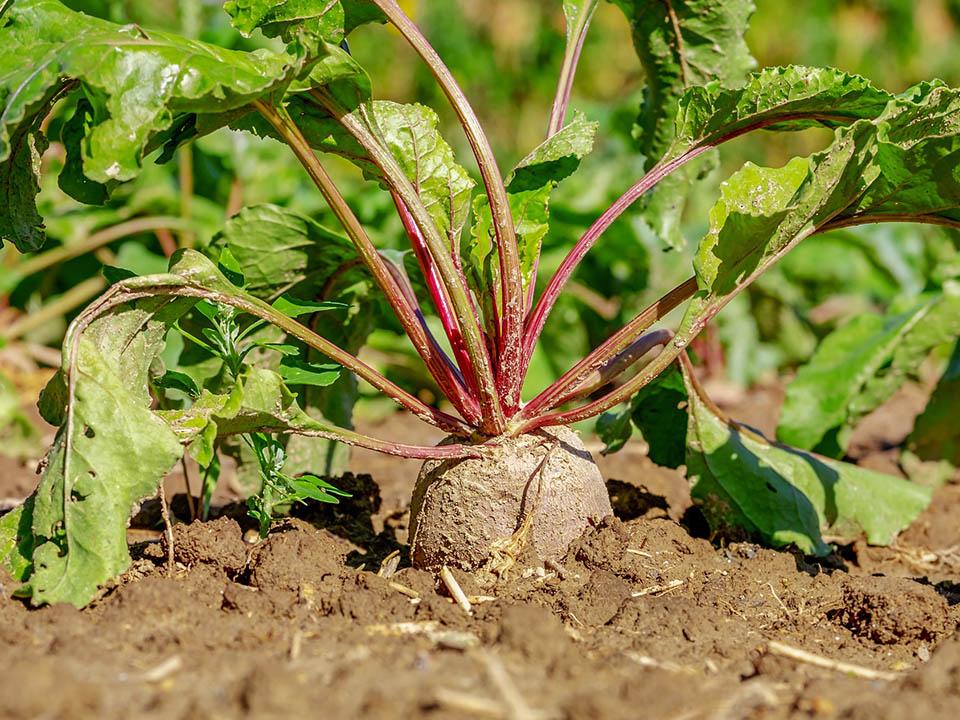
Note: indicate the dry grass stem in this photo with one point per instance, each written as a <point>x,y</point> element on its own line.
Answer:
<point>404,590</point>
<point>167,528</point>
<point>161,672</point>
<point>658,589</point>
<point>788,651</point>
<point>516,705</point>
<point>461,702</point>
<point>649,662</point>
<point>389,565</point>
<point>430,629</point>
<point>456,592</point>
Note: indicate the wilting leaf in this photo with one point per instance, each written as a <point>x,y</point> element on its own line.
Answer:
<point>110,454</point>
<point>787,496</point>
<point>859,366</point>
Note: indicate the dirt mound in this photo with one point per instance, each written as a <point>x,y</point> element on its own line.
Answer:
<point>640,618</point>
<point>636,614</point>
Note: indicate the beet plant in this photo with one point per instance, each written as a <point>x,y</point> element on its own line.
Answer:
<point>277,306</point>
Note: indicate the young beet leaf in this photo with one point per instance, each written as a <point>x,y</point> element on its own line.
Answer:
<point>266,352</point>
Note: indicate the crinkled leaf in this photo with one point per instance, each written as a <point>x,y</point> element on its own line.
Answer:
<point>793,97</point>
<point>20,222</point>
<point>412,135</point>
<point>136,82</point>
<point>872,168</point>
<point>90,483</point>
<point>859,366</point>
<point>321,19</point>
<point>328,20</point>
<point>277,249</point>
<point>790,497</point>
<point>681,44</point>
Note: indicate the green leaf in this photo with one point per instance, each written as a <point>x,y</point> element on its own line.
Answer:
<point>16,541</point>
<point>284,18</point>
<point>681,44</point>
<point>529,186</point>
<point>231,267</point>
<point>298,372</point>
<point>935,433</point>
<point>899,166</point>
<point>295,307</point>
<point>90,484</point>
<point>306,489</point>
<point>282,348</point>
<point>787,98</point>
<point>411,133</point>
<point>614,428</point>
<point>318,20</point>
<point>276,250</point>
<point>173,380</point>
<point>20,223</point>
<point>72,180</point>
<point>790,497</point>
<point>659,412</point>
<point>859,366</point>
<point>334,404</point>
<point>136,83</point>
<point>321,483</point>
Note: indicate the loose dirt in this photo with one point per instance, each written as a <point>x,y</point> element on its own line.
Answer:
<point>644,617</point>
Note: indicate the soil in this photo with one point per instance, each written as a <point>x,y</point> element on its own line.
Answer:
<point>644,617</point>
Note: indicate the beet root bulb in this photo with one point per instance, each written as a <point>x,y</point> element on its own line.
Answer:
<point>461,508</point>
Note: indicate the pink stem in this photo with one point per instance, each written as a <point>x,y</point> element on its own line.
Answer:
<point>538,318</point>
<point>438,294</point>
<point>550,294</point>
<point>446,374</point>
